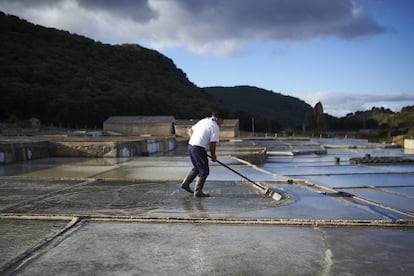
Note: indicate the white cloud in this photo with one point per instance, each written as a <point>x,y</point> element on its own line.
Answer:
<point>340,104</point>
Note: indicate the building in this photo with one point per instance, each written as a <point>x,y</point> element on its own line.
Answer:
<point>141,125</point>
<point>229,129</point>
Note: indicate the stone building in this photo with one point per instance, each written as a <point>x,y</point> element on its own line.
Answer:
<point>141,125</point>
<point>229,129</point>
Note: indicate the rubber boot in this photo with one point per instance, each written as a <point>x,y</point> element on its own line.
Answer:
<point>198,191</point>
<point>188,180</point>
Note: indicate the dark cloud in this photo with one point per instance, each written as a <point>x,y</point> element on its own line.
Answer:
<point>280,19</point>
<point>138,10</point>
<point>221,26</point>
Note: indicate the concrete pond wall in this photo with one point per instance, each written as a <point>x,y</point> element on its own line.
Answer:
<point>21,151</point>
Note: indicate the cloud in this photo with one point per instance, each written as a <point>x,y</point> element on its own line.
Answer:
<point>221,27</point>
<point>341,104</point>
<point>138,10</point>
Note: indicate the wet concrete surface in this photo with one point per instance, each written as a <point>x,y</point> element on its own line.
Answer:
<point>129,216</point>
<point>17,237</point>
<point>399,202</point>
<point>132,198</point>
<point>352,180</point>
<point>191,249</point>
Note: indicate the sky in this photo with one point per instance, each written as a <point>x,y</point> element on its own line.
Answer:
<point>350,55</point>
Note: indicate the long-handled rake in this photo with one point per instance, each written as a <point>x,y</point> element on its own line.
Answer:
<point>266,190</point>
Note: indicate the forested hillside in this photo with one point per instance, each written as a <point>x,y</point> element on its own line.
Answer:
<point>377,117</point>
<point>66,79</point>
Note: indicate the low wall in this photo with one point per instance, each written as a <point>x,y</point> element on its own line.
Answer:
<point>257,157</point>
<point>22,151</point>
<point>81,148</point>
<point>143,147</point>
<point>17,151</point>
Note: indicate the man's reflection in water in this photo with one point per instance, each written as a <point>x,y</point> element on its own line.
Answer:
<point>194,207</point>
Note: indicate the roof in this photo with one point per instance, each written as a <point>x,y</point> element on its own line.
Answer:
<point>188,122</point>
<point>230,122</point>
<point>139,119</point>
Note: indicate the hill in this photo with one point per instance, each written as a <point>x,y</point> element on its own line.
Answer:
<point>377,117</point>
<point>288,111</point>
<point>72,81</point>
<point>66,79</point>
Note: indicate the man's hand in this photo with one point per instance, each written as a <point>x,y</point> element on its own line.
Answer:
<point>213,151</point>
<point>213,158</point>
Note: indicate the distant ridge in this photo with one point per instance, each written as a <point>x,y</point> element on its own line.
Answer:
<point>288,111</point>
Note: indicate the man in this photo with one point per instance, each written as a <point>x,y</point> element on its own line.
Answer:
<point>204,134</point>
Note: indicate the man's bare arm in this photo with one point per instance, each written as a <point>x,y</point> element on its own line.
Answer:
<point>213,151</point>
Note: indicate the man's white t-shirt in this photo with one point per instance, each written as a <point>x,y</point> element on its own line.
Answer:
<point>204,132</point>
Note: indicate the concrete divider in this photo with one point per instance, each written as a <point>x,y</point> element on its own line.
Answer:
<point>22,151</point>
<point>124,147</point>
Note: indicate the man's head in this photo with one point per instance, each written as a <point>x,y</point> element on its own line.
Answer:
<point>218,117</point>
